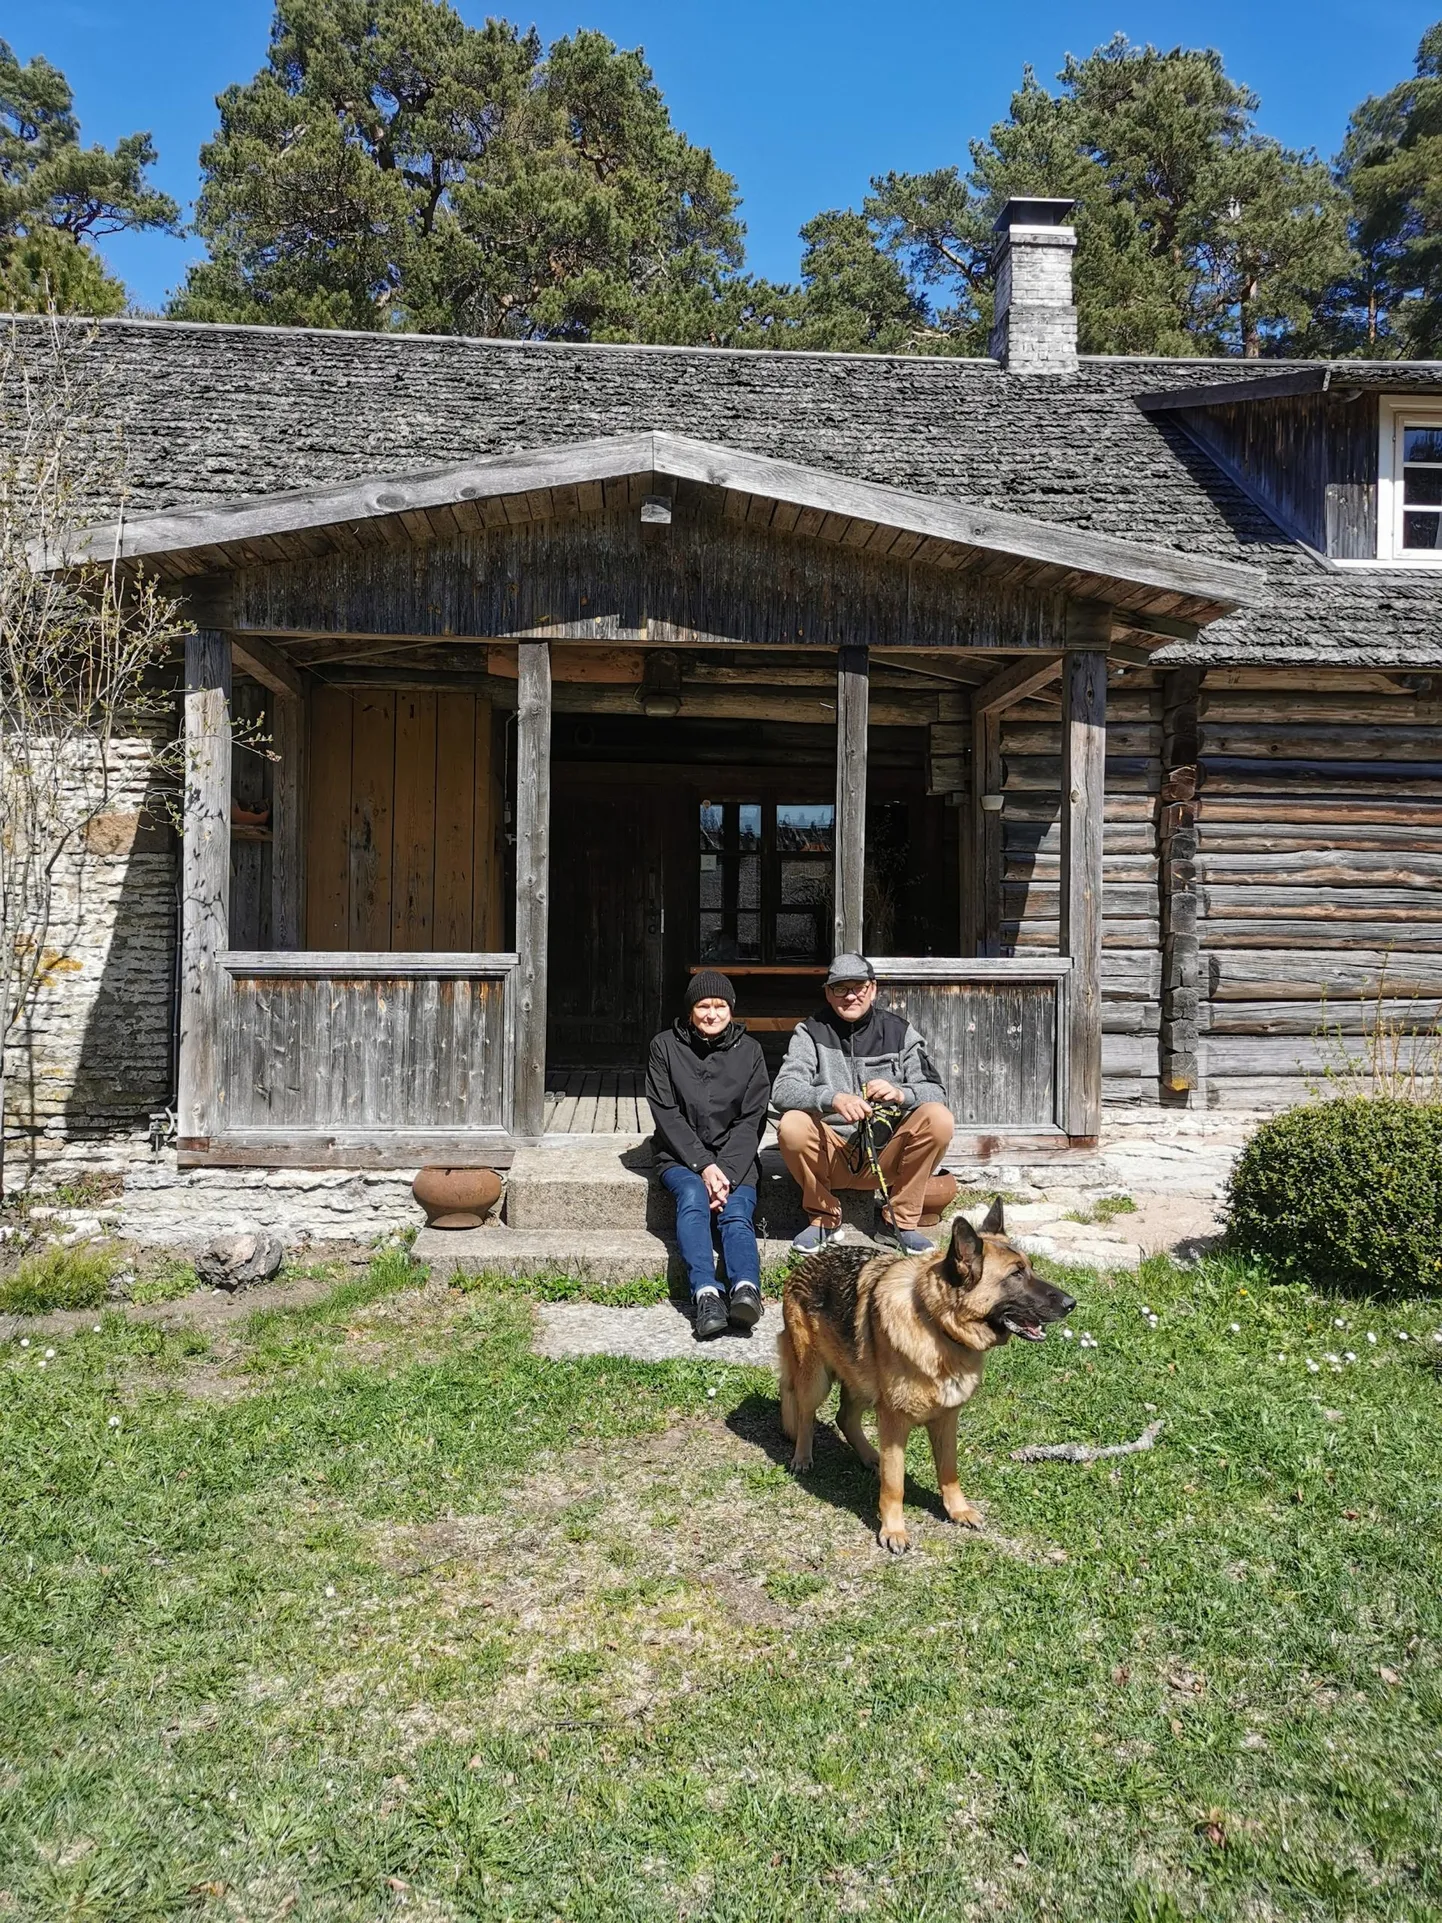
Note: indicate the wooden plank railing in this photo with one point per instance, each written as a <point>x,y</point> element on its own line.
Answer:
<point>363,1059</point>
<point>997,1031</point>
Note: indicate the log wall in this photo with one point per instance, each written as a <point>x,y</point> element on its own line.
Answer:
<point>1319,865</point>
<point>1031,874</point>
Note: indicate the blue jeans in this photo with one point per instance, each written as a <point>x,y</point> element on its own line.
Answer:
<point>695,1225</point>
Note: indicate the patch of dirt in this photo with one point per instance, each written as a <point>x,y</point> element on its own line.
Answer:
<point>617,1573</point>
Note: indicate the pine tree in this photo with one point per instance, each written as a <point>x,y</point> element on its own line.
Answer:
<point>1195,233</point>
<point>1389,300</point>
<point>57,198</point>
<point>393,167</point>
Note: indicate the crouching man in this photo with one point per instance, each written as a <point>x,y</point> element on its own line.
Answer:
<point>845,1064</point>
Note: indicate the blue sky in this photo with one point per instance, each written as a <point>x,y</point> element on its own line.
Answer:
<point>803,101</point>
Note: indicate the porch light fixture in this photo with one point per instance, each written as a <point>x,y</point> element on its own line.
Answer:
<point>659,694</point>
<point>656,510</point>
<point>991,804</point>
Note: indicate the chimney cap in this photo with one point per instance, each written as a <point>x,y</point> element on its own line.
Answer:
<point>1026,211</point>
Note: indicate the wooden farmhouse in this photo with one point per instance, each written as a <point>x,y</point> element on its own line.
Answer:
<point>1098,699</point>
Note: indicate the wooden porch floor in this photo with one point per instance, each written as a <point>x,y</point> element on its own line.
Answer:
<point>596,1102</point>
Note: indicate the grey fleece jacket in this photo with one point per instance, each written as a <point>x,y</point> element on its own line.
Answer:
<point>828,1056</point>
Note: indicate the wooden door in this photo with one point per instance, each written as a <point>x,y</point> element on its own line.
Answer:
<point>603,997</point>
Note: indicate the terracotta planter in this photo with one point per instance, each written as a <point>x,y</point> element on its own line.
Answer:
<point>457,1198</point>
<point>940,1193</point>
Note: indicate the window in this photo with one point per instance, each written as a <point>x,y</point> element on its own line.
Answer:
<point>766,881</point>
<point>1409,521</point>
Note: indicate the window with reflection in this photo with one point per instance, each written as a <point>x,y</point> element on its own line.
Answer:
<point>1422,488</point>
<point>766,881</point>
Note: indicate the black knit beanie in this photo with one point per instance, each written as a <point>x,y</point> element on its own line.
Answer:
<point>707,984</point>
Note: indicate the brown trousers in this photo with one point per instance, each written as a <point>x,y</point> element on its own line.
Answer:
<point>816,1157</point>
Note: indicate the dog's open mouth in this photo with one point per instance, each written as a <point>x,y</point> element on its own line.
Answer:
<point>1017,1322</point>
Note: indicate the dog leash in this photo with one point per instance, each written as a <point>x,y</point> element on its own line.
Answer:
<point>863,1155</point>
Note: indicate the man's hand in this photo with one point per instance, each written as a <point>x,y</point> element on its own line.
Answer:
<point>718,1188</point>
<point>851,1108</point>
<point>879,1091</point>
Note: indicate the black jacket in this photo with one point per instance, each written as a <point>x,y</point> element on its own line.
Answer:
<point>708,1100</point>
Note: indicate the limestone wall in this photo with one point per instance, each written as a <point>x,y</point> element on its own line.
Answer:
<point>91,1056</point>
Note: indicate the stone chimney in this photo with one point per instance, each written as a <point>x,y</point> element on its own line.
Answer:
<point>1034,331</point>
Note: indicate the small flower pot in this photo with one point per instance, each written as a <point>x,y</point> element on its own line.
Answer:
<point>940,1194</point>
<point>457,1198</point>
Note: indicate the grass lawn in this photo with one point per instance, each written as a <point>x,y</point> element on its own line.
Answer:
<point>367,1611</point>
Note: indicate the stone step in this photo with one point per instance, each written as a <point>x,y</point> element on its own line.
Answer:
<point>615,1189</point>
<point>605,1256</point>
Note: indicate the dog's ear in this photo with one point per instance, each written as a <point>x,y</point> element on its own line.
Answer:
<point>994,1223</point>
<point>965,1254</point>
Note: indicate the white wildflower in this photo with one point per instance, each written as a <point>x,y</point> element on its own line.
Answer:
<point>1402,1336</point>
<point>1235,1327</point>
<point>49,1353</point>
<point>710,1395</point>
<point>1313,1368</point>
<point>114,1422</point>
<point>330,1589</point>
<point>1338,1323</point>
<point>41,1363</point>
<point>95,1329</point>
<point>1350,1355</point>
<point>1371,1337</point>
<point>25,1342</point>
<point>1282,1356</point>
<point>1329,1357</point>
<point>1066,1335</point>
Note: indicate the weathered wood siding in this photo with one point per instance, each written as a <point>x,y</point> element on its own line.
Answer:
<point>1031,783</point>
<point>598,577</point>
<point>1311,459</point>
<point>1319,864</point>
<point>994,1044</point>
<point>337,1052</point>
<point>403,822</point>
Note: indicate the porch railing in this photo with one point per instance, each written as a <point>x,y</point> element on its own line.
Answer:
<point>997,1031</point>
<point>373,1058</point>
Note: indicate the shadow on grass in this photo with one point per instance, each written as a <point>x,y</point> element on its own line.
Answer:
<point>835,1476</point>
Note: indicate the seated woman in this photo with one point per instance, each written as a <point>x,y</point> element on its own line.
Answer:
<point>707,1085</point>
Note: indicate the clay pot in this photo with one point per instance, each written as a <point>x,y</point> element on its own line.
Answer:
<point>457,1198</point>
<point>940,1194</point>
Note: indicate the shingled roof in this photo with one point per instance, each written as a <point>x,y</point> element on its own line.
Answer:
<point>212,414</point>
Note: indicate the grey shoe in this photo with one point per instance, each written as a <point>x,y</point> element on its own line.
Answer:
<point>911,1240</point>
<point>746,1305</point>
<point>812,1239</point>
<point>710,1314</point>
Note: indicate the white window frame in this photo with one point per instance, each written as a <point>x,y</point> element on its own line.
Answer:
<point>1397,412</point>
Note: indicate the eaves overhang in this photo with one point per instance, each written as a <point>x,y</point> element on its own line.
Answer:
<point>589,476</point>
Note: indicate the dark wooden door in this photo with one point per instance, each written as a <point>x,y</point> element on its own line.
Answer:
<point>604,996</point>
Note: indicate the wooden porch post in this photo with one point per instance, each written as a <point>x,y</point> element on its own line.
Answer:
<point>853,699</point>
<point>205,890</point>
<point>1084,731</point>
<point>533,882</point>
<point>986,829</point>
<point>287,814</point>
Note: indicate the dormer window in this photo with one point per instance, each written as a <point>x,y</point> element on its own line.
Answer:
<point>1409,524</point>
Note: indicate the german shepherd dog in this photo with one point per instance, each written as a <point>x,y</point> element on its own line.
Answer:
<point>906,1335</point>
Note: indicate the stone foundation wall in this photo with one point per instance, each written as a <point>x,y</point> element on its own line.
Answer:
<point>90,1057</point>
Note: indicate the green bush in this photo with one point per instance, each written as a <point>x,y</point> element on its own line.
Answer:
<point>1345,1195</point>
<point>58,1278</point>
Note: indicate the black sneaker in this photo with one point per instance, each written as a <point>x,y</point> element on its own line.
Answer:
<point>910,1240</point>
<point>746,1308</point>
<point>710,1314</point>
<point>811,1239</point>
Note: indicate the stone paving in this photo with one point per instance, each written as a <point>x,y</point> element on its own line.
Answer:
<point>660,1333</point>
